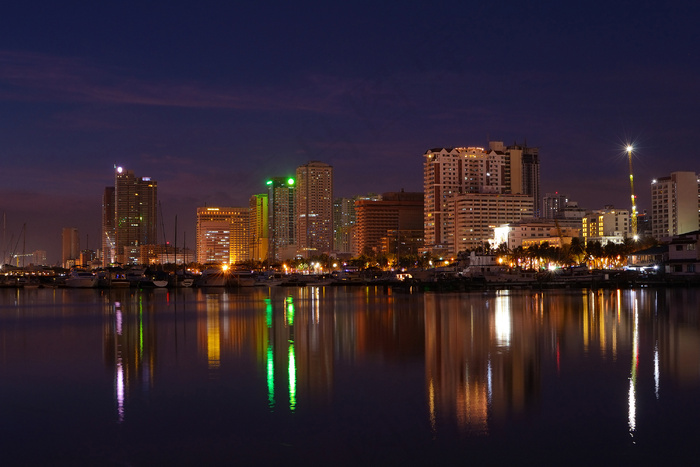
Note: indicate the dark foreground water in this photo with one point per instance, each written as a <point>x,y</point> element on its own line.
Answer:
<point>357,376</point>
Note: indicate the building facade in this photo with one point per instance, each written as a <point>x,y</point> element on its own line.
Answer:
<point>314,209</point>
<point>397,215</point>
<point>553,205</point>
<point>281,224</point>
<point>343,224</point>
<point>478,214</point>
<point>135,208</point>
<point>473,171</point>
<point>222,235</point>
<point>257,230</point>
<point>606,225</point>
<point>109,230</point>
<point>675,205</point>
<point>70,247</point>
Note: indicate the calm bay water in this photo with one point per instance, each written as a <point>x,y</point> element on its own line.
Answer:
<point>348,376</point>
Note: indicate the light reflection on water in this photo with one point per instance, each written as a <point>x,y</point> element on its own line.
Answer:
<point>351,374</point>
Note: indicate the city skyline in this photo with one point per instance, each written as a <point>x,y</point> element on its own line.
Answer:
<point>199,100</point>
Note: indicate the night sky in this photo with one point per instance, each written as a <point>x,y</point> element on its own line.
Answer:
<point>211,98</point>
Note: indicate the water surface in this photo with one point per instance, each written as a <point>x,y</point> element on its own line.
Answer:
<point>348,376</point>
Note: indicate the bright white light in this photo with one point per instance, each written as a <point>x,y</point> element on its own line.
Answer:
<point>629,148</point>
<point>119,170</point>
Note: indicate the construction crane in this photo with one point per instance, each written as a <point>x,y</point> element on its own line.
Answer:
<point>633,227</point>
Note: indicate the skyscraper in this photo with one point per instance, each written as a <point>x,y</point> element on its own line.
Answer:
<point>281,209</point>
<point>135,216</point>
<point>314,208</point>
<point>675,204</point>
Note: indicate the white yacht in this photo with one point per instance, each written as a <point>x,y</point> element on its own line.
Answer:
<point>81,279</point>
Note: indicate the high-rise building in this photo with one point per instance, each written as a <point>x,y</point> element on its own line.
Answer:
<point>449,172</point>
<point>135,215</point>
<point>530,174</point>
<point>281,225</point>
<point>257,230</point>
<point>222,235</point>
<point>70,251</point>
<point>397,214</point>
<point>314,209</point>
<point>343,223</point>
<point>675,204</point>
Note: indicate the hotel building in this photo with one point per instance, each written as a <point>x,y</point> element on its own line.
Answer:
<point>314,209</point>
<point>606,225</point>
<point>222,235</point>
<point>478,214</point>
<point>675,205</point>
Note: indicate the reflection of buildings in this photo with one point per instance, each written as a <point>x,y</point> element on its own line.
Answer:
<point>481,361</point>
<point>129,346</point>
<point>293,346</point>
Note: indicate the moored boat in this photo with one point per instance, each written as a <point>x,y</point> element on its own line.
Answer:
<point>81,279</point>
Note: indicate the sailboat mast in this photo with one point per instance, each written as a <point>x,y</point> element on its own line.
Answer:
<point>24,244</point>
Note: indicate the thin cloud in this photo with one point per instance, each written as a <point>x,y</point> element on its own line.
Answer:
<point>40,78</point>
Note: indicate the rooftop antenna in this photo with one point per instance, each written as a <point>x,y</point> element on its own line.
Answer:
<point>633,227</point>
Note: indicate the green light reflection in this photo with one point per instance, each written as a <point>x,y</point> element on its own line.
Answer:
<point>290,311</point>
<point>292,378</point>
<point>270,376</point>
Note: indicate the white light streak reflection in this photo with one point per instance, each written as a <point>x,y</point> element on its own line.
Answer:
<point>657,373</point>
<point>502,319</point>
<point>632,415</point>
<point>119,387</point>
<point>431,405</point>
<point>490,379</point>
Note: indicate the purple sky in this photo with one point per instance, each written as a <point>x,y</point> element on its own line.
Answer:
<point>213,98</point>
